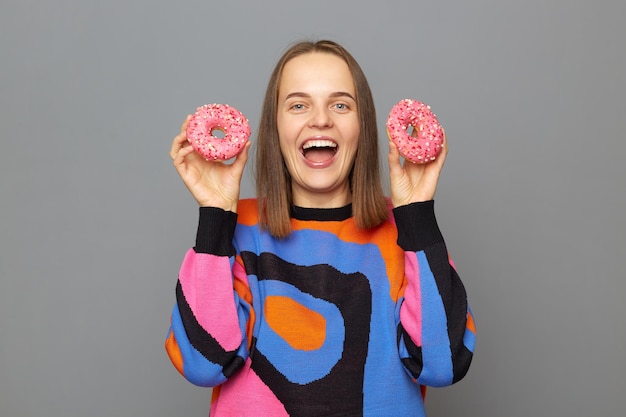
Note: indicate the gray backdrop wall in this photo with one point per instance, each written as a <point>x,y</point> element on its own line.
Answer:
<point>94,220</point>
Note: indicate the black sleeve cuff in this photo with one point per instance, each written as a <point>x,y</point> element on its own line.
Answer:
<point>417,226</point>
<point>216,228</point>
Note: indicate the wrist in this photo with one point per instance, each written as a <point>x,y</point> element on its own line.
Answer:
<point>397,202</point>
<point>225,205</point>
<point>216,228</point>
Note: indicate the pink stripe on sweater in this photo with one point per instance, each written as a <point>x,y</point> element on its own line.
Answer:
<point>211,297</point>
<point>411,310</point>
<point>244,394</point>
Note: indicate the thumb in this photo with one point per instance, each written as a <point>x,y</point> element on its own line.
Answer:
<point>242,158</point>
<point>395,166</point>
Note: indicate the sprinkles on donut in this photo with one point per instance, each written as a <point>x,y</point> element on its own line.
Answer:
<point>222,117</point>
<point>426,142</point>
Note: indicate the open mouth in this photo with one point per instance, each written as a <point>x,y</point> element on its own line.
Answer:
<point>319,150</point>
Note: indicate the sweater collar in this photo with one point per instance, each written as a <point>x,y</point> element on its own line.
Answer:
<point>321,214</point>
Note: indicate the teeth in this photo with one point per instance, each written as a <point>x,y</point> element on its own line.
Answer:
<point>319,144</point>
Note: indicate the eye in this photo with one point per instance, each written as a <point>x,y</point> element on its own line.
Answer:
<point>298,107</point>
<point>341,106</point>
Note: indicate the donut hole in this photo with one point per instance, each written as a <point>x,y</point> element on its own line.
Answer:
<point>411,131</point>
<point>218,133</point>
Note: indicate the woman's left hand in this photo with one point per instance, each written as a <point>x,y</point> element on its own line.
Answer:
<point>410,182</point>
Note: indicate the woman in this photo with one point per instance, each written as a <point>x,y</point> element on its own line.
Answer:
<point>320,297</point>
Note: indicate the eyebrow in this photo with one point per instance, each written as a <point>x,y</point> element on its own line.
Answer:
<point>333,95</point>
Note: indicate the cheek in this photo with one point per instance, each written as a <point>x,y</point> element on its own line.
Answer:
<point>354,142</point>
<point>352,134</point>
<point>287,148</point>
<point>282,136</point>
<point>284,139</point>
<point>286,130</point>
<point>351,125</point>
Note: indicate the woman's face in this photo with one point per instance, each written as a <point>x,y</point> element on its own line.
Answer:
<point>318,128</point>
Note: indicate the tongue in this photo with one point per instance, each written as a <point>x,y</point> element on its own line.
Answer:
<point>319,154</point>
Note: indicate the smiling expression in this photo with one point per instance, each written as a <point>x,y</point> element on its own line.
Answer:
<point>318,127</point>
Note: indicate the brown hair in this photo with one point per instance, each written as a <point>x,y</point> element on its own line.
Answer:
<point>273,182</point>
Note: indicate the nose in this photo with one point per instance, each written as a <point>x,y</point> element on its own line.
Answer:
<point>321,118</point>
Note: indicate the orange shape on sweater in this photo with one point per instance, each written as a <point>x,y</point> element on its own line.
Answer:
<point>301,327</point>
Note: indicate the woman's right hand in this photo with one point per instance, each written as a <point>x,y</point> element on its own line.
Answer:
<point>212,183</point>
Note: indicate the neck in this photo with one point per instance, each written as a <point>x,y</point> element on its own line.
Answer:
<point>338,198</point>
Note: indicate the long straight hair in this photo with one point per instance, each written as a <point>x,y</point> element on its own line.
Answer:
<point>273,181</point>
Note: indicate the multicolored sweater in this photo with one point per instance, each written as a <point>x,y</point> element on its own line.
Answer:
<point>331,321</point>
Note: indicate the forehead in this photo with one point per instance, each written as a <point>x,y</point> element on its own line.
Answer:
<point>316,72</point>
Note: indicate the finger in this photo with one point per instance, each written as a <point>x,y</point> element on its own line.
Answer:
<point>444,150</point>
<point>179,142</point>
<point>179,157</point>
<point>180,139</point>
<point>242,157</point>
<point>394,159</point>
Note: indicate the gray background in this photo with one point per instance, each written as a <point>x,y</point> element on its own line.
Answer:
<point>95,221</point>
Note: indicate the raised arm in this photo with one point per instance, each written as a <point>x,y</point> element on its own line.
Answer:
<point>206,340</point>
<point>436,329</point>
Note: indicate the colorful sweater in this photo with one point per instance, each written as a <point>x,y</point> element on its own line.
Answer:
<point>331,321</point>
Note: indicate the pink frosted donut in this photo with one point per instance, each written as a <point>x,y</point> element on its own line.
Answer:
<point>224,118</point>
<point>427,144</point>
